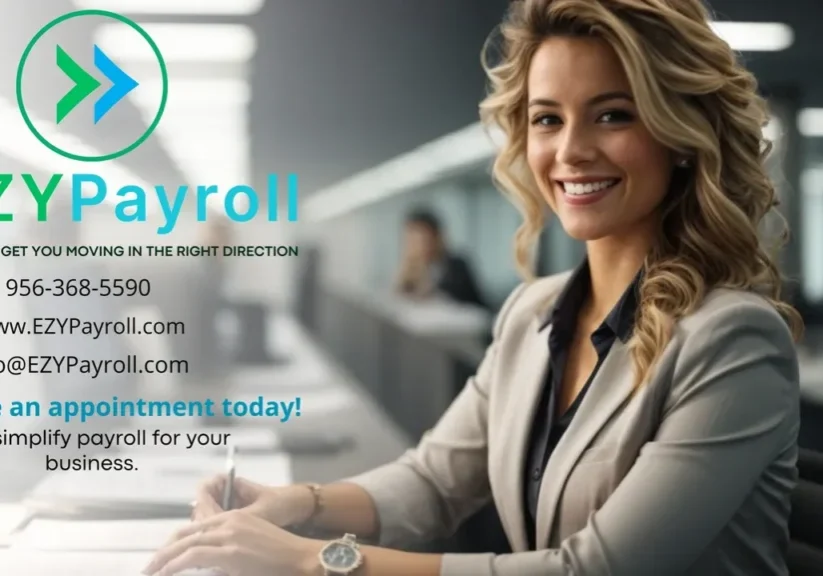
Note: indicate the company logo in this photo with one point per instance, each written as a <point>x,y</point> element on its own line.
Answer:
<point>85,84</point>
<point>96,79</point>
<point>121,83</point>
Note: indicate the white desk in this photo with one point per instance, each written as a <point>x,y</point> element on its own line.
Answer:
<point>12,517</point>
<point>336,407</point>
<point>170,476</point>
<point>24,563</point>
<point>167,479</point>
<point>42,535</point>
<point>429,317</point>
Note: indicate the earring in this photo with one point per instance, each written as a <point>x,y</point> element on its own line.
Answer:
<point>684,163</point>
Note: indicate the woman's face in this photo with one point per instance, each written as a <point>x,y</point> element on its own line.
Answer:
<point>420,242</point>
<point>594,161</point>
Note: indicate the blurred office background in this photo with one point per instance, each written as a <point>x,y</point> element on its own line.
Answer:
<point>373,104</point>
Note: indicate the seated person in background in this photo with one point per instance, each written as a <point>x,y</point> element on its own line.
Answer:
<point>636,417</point>
<point>428,268</point>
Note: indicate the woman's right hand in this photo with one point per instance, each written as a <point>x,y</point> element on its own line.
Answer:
<point>281,505</point>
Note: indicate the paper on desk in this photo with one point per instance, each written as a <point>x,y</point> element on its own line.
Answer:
<point>305,373</point>
<point>171,479</point>
<point>100,536</point>
<point>24,563</point>
<point>11,517</point>
<point>440,317</point>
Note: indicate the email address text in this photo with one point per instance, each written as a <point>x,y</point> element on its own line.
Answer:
<point>131,364</point>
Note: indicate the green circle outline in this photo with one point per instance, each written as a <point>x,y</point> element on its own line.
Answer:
<point>123,20</point>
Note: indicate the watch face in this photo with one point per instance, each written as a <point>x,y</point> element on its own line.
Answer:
<point>340,556</point>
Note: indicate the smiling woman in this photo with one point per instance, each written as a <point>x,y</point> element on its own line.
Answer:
<point>636,417</point>
<point>653,119</point>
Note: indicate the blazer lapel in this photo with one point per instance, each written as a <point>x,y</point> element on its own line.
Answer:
<point>526,388</point>
<point>611,387</point>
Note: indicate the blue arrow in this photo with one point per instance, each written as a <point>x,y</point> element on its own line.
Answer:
<point>121,84</point>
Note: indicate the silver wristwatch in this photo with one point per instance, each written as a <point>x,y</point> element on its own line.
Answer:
<point>341,557</point>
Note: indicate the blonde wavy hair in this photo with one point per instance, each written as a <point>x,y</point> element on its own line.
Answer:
<point>696,99</point>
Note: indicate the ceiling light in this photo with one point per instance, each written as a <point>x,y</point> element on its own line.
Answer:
<point>188,125</point>
<point>755,36</point>
<point>195,122</point>
<point>180,42</point>
<point>197,93</point>
<point>194,150</point>
<point>191,126</point>
<point>218,138</point>
<point>189,150</point>
<point>205,7</point>
<point>810,122</point>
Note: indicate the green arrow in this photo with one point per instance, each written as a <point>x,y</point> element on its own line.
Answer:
<point>85,84</point>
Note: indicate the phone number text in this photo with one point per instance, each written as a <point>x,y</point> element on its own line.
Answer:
<point>80,287</point>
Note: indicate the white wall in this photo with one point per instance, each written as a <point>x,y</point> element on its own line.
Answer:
<point>347,250</point>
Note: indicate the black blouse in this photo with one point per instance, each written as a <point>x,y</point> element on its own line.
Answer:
<point>548,426</point>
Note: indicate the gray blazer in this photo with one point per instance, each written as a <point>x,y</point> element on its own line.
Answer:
<point>690,475</point>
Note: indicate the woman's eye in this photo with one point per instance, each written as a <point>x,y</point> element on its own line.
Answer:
<point>545,120</point>
<point>613,116</point>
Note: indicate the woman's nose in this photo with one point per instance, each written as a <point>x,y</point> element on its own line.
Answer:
<point>576,145</point>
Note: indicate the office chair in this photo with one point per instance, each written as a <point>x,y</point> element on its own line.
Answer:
<point>806,536</point>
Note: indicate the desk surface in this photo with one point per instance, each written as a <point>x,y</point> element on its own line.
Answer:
<point>377,438</point>
<point>431,317</point>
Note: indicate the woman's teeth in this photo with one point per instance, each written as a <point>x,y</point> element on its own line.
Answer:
<point>588,188</point>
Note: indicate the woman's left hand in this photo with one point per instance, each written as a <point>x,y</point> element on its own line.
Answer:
<point>238,544</point>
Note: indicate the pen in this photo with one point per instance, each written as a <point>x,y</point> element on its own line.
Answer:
<point>228,490</point>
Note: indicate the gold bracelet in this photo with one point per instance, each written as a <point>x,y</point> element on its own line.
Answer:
<point>316,492</point>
